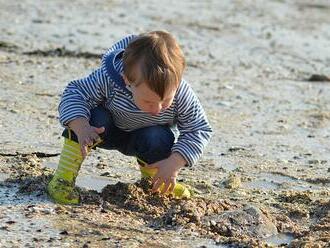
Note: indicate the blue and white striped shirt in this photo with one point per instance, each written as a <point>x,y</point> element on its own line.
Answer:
<point>106,86</point>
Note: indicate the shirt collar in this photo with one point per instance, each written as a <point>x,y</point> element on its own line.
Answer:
<point>108,64</point>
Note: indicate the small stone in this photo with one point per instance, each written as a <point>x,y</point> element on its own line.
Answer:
<point>106,238</point>
<point>236,148</point>
<point>10,222</point>
<point>233,182</point>
<point>318,78</point>
<point>60,209</point>
<point>101,165</point>
<point>105,174</point>
<point>316,161</point>
<point>65,232</point>
<point>249,221</point>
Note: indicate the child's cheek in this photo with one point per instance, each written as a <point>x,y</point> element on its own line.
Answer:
<point>139,105</point>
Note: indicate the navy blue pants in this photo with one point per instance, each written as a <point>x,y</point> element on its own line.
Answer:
<point>151,144</point>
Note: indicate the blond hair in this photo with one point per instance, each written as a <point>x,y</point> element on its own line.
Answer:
<point>158,57</point>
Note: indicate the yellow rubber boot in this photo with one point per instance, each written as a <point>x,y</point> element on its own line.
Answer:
<point>62,186</point>
<point>179,191</point>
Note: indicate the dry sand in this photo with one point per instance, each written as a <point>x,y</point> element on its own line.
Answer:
<point>264,178</point>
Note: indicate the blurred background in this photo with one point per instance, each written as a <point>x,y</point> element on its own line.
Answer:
<point>250,62</point>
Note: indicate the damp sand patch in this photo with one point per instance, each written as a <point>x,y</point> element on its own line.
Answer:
<point>223,220</point>
<point>277,181</point>
<point>307,218</point>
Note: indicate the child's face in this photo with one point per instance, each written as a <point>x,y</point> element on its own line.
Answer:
<point>148,101</point>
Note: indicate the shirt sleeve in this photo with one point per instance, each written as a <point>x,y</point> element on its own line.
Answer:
<point>195,131</point>
<point>81,95</point>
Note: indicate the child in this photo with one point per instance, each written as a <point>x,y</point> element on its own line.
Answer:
<point>130,104</point>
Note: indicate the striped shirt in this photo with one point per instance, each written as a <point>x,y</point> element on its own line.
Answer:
<point>105,86</point>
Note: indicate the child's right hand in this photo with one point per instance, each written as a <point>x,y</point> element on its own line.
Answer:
<point>87,134</point>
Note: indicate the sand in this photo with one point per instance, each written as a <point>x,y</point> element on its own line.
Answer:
<point>260,69</point>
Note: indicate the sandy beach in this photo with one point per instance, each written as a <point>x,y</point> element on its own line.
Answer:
<point>260,69</point>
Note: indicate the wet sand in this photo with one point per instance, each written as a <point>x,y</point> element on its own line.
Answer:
<point>264,179</point>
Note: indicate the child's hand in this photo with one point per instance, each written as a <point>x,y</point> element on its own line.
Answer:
<point>87,137</point>
<point>167,172</point>
<point>87,134</point>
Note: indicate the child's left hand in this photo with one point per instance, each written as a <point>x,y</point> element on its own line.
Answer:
<point>167,172</point>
